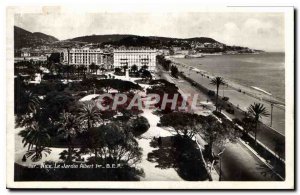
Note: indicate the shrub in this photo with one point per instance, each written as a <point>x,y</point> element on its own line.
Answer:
<point>139,125</point>
<point>225,98</point>
<point>211,93</point>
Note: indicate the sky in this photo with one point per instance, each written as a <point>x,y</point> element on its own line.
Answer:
<point>254,30</point>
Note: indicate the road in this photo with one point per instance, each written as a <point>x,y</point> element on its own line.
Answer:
<point>238,162</point>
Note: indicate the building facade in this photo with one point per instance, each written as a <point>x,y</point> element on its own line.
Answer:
<point>87,56</point>
<point>136,57</point>
<point>84,56</point>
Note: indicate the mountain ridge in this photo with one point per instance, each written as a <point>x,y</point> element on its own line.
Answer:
<point>25,38</point>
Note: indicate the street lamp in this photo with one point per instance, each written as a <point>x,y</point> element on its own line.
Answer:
<point>221,163</point>
<point>271,113</point>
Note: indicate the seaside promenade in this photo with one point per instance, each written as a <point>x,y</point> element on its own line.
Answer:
<point>269,136</point>
<point>238,162</point>
<point>239,99</point>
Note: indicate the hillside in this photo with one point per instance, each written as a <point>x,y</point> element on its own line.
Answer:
<point>99,38</point>
<point>24,38</point>
<point>134,40</point>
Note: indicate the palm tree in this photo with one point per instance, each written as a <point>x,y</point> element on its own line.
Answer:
<point>35,138</point>
<point>257,111</point>
<point>26,106</point>
<point>69,128</point>
<point>217,81</point>
<point>90,113</point>
<point>31,101</point>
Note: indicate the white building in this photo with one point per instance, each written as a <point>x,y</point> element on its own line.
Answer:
<point>83,56</point>
<point>130,57</point>
<point>87,56</point>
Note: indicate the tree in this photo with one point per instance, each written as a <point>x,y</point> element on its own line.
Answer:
<point>139,125</point>
<point>124,86</point>
<point>54,58</point>
<point>69,125</point>
<point>26,103</point>
<point>146,74</point>
<point>217,81</point>
<point>144,67</point>
<point>55,103</point>
<point>162,87</point>
<point>257,111</point>
<point>184,123</point>
<point>94,140</point>
<point>218,134</point>
<point>165,63</point>
<point>93,67</point>
<point>117,70</point>
<point>67,69</point>
<point>89,113</point>
<point>134,68</point>
<point>174,71</point>
<point>112,145</point>
<point>35,138</point>
<point>82,70</point>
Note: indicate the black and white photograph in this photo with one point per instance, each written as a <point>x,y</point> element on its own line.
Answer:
<point>148,99</point>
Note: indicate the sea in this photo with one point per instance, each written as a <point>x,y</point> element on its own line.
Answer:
<point>265,71</point>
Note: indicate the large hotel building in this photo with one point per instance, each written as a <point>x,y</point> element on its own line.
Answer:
<point>136,57</point>
<point>119,58</point>
<point>87,56</point>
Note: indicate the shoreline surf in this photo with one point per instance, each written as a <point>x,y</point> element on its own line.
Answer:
<point>254,91</point>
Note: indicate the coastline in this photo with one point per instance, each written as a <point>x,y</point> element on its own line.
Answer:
<point>266,135</point>
<point>252,91</point>
<point>240,96</point>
